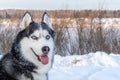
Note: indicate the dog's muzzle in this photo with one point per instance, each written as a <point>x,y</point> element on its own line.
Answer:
<point>44,57</point>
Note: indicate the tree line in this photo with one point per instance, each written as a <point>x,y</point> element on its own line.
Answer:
<point>17,13</point>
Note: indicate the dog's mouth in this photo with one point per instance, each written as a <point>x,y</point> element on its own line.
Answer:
<point>42,58</point>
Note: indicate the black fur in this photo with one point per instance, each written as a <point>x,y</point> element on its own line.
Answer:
<point>13,64</point>
<point>45,26</point>
<point>14,59</point>
<point>18,67</point>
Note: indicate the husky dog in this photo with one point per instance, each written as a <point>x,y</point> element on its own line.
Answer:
<point>32,52</point>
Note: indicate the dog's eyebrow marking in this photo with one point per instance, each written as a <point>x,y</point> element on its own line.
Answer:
<point>40,29</point>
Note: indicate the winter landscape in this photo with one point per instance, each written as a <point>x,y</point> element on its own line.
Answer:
<point>68,63</point>
<point>88,37</point>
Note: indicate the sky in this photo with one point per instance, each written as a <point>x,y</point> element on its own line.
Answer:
<point>60,4</point>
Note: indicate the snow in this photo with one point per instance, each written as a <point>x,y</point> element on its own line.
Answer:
<point>92,66</point>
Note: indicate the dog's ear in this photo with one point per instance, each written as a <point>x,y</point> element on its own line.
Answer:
<point>26,20</point>
<point>46,19</point>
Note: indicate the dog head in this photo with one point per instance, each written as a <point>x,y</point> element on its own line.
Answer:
<point>36,40</point>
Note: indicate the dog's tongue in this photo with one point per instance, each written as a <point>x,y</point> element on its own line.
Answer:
<point>44,59</point>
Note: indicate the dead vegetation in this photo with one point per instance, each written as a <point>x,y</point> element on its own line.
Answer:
<point>78,32</point>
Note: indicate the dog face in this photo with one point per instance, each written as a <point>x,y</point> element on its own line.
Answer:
<point>36,40</point>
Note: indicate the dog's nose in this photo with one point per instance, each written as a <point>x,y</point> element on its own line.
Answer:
<point>45,49</point>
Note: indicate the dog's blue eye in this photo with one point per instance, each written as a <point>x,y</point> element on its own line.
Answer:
<point>34,37</point>
<point>48,37</point>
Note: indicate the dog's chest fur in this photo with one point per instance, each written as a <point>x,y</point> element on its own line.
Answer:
<point>40,76</point>
<point>35,77</point>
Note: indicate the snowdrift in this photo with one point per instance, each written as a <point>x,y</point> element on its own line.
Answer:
<point>92,66</point>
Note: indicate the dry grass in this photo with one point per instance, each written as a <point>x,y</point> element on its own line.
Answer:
<point>75,35</point>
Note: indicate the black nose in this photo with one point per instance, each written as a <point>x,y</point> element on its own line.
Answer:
<point>45,49</point>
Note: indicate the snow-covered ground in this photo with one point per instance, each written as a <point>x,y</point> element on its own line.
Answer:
<point>92,66</point>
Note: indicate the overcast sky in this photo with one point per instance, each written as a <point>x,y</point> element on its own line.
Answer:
<point>60,4</point>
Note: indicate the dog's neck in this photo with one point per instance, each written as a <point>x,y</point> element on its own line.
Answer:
<point>23,67</point>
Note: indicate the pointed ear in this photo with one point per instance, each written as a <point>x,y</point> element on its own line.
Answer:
<point>26,20</point>
<point>46,19</point>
